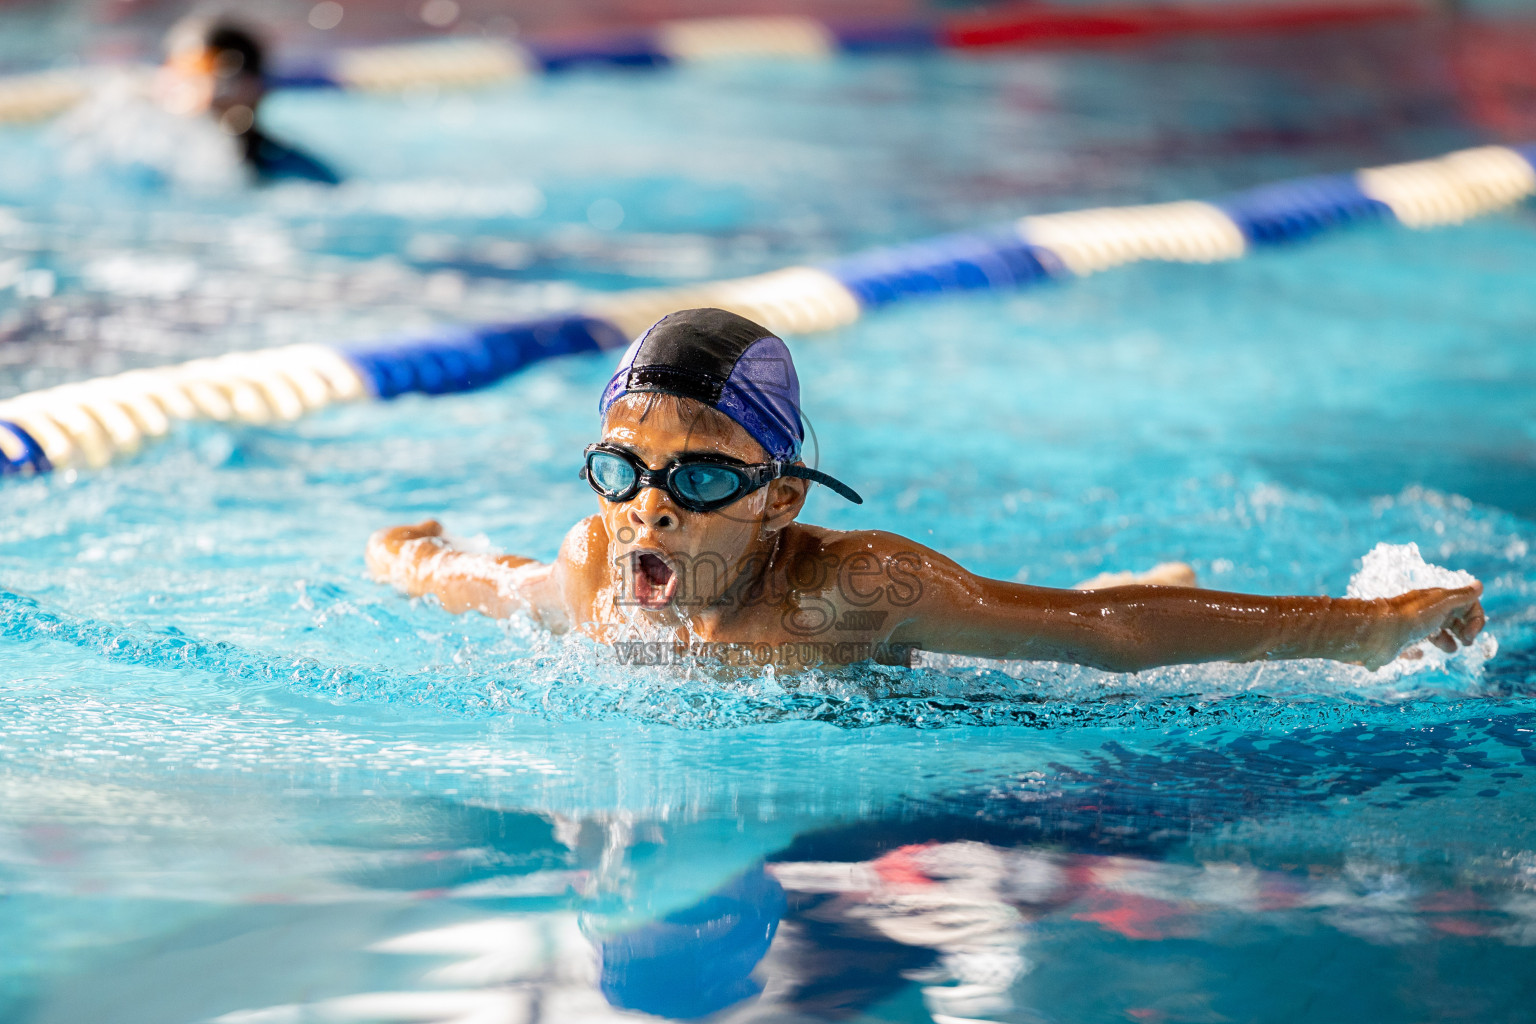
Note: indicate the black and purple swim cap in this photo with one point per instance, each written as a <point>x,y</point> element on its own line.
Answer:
<point>725,361</point>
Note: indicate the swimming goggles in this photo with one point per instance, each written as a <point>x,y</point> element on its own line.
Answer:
<point>698,483</point>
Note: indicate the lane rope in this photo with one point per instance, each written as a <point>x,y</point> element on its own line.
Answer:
<point>91,422</point>
<point>463,62</point>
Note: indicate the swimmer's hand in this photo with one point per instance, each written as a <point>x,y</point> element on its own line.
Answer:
<point>1442,616</point>
<point>420,562</point>
<point>395,554</point>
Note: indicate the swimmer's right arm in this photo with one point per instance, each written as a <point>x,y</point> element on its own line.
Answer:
<point>418,560</point>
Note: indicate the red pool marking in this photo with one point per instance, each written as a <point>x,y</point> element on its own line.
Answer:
<point>1034,25</point>
<point>1461,926</point>
<point>899,867</point>
<point>55,842</point>
<point>1456,903</point>
<point>1494,67</point>
<point>1450,901</point>
<point>1280,893</point>
<point>1135,917</point>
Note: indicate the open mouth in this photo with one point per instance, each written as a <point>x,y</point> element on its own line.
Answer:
<point>655,580</point>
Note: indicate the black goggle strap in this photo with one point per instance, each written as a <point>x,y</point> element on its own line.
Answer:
<point>817,476</point>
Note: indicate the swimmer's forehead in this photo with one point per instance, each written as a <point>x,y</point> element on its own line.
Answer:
<point>197,60</point>
<point>664,430</point>
<point>187,37</point>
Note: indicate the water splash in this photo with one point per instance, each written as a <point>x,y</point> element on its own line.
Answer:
<point>120,127</point>
<point>1392,569</point>
<point>569,679</point>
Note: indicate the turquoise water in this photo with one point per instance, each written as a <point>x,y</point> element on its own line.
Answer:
<point>233,771</point>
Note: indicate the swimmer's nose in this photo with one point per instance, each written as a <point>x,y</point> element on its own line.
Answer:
<point>650,509</point>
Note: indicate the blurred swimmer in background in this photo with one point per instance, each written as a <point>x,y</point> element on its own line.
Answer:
<point>218,67</point>
<point>196,121</point>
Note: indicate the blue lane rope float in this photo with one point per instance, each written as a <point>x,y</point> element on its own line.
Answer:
<point>472,357</point>
<point>88,423</point>
<point>22,454</point>
<point>1293,210</point>
<point>473,61</point>
<point>960,262</point>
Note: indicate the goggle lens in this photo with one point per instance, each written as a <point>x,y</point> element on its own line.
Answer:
<point>705,484</point>
<point>612,474</point>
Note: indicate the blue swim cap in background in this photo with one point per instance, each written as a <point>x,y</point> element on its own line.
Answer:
<point>726,362</point>
<point>696,961</point>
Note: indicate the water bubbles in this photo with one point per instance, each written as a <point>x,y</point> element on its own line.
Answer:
<point>325,15</point>
<point>132,275</point>
<point>237,120</point>
<point>605,214</point>
<point>440,13</point>
<point>36,284</point>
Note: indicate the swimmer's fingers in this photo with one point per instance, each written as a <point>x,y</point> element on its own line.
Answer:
<point>1469,623</point>
<point>1455,615</point>
<point>1445,641</point>
<point>391,538</point>
<point>384,552</point>
<point>425,528</point>
<point>1442,615</point>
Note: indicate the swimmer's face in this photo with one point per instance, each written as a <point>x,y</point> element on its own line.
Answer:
<point>667,555</point>
<point>197,80</point>
<point>186,81</point>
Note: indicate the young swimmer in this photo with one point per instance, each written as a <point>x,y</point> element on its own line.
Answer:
<point>695,551</point>
<point>218,68</point>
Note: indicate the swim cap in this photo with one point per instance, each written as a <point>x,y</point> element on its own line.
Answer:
<point>697,961</point>
<point>725,361</point>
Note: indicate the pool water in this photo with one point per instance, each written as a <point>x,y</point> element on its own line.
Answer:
<point>241,782</point>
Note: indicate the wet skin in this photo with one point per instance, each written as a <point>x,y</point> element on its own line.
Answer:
<point>749,574</point>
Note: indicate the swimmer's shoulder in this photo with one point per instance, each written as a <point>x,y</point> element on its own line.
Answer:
<point>584,551</point>
<point>873,569</point>
<point>279,161</point>
<point>883,546</point>
<point>875,584</point>
<point>581,569</point>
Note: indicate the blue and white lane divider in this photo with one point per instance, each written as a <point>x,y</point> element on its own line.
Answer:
<point>466,61</point>
<point>88,423</point>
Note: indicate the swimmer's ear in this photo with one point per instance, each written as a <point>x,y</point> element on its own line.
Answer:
<point>786,496</point>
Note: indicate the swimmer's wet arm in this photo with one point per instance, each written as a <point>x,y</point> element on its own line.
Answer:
<point>419,561</point>
<point>1126,629</point>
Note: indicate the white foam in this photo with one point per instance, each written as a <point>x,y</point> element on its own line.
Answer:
<point>1391,569</point>
<point>120,124</point>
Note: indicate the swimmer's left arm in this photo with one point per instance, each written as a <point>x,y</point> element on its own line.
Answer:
<point>418,560</point>
<point>1126,629</point>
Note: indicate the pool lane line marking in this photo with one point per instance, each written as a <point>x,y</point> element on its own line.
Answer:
<point>90,422</point>
<point>467,62</point>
